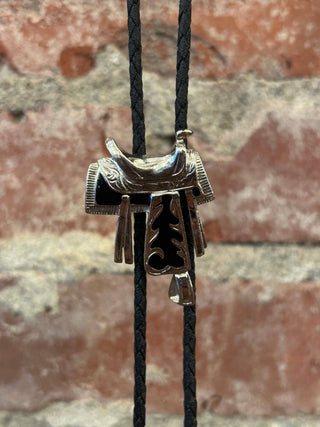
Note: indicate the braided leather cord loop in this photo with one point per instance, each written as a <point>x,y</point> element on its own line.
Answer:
<point>138,125</point>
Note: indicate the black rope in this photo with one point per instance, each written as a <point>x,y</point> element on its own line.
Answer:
<point>183,59</point>
<point>181,108</point>
<point>138,126</point>
<point>135,70</point>
<point>140,280</point>
<point>140,323</point>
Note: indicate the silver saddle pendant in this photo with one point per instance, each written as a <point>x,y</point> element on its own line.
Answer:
<point>123,184</point>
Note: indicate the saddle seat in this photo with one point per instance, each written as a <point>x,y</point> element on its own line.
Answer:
<point>150,169</point>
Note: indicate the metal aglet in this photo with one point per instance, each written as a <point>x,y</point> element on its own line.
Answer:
<point>181,289</point>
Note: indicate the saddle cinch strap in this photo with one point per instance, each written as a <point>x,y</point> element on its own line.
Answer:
<point>123,184</point>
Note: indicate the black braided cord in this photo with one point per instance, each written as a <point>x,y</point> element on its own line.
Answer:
<point>140,280</point>
<point>139,148</point>
<point>140,323</point>
<point>181,108</point>
<point>183,59</point>
<point>135,70</point>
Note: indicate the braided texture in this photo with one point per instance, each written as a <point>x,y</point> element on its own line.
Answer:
<point>183,60</point>
<point>140,280</point>
<point>136,89</point>
<point>189,334</point>
<point>189,366</point>
<point>181,109</point>
<point>140,304</point>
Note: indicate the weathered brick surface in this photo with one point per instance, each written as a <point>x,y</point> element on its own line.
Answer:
<point>76,61</point>
<point>44,163</point>
<point>229,37</point>
<point>66,327</point>
<point>90,412</point>
<point>269,191</point>
<point>257,347</point>
<point>66,309</point>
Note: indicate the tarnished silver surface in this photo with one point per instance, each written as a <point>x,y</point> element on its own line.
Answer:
<point>179,170</point>
<point>181,289</point>
<point>123,241</point>
<point>123,184</point>
<point>196,226</point>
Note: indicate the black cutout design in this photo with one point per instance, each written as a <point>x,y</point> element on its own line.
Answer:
<point>164,238</point>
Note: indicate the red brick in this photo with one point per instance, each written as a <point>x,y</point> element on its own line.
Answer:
<point>257,347</point>
<point>262,37</point>
<point>76,61</point>
<point>264,348</point>
<point>229,37</point>
<point>270,190</point>
<point>45,160</point>
<point>35,39</point>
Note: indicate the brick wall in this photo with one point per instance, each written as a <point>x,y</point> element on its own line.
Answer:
<point>66,310</point>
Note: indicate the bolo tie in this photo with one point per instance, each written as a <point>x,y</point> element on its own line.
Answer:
<point>162,193</point>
